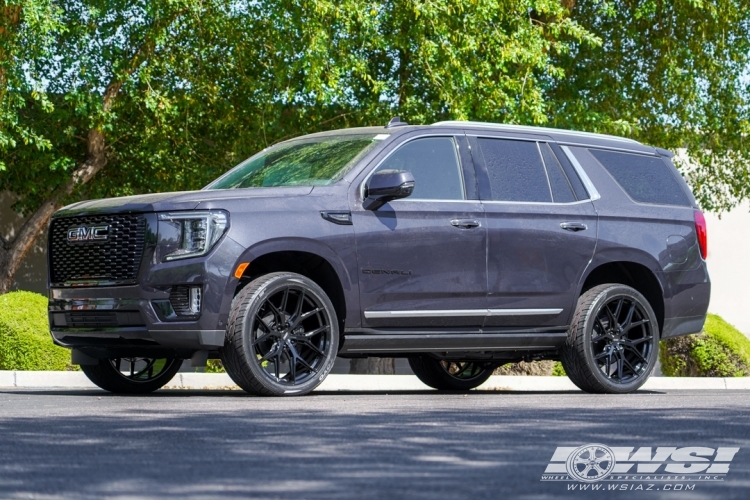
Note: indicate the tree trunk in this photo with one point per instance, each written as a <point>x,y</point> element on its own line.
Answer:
<point>13,252</point>
<point>372,366</point>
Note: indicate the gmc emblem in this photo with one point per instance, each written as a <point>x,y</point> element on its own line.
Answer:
<point>88,233</point>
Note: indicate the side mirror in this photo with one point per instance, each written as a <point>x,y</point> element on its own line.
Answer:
<point>387,185</point>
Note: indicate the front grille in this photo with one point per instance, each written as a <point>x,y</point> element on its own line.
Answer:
<point>115,259</point>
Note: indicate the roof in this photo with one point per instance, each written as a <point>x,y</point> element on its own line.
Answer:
<point>536,130</point>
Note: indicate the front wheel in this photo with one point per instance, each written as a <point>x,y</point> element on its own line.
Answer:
<point>450,375</point>
<point>133,375</point>
<point>282,336</point>
<point>613,342</point>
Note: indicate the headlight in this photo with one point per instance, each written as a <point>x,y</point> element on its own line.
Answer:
<point>195,233</point>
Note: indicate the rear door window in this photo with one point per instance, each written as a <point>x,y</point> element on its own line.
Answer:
<point>562,191</point>
<point>515,170</point>
<point>646,179</point>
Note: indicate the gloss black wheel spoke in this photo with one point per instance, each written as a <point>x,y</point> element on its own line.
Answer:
<point>262,323</point>
<point>629,317</point>
<point>271,352</point>
<point>610,317</point>
<point>608,363</point>
<point>636,352</point>
<point>601,355</point>
<point>626,362</point>
<point>303,317</point>
<point>636,323</point>
<point>284,299</point>
<point>312,347</point>
<point>276,312</point>
<point>292,365</point>
<point>298,309</point>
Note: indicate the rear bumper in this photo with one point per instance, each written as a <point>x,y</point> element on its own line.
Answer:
<point>674,327</point>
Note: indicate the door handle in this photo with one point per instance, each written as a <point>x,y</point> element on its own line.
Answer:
<point>573,226</point>
<point>465,223</point>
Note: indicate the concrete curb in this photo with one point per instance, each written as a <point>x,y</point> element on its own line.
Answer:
<point>334,382</point>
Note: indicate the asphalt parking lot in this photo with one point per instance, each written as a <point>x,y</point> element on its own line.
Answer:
<point>224,444</point>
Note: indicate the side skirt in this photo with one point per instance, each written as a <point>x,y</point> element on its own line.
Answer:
<point>358,342</point>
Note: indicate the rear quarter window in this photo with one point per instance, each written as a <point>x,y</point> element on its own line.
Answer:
<point>646,179</point>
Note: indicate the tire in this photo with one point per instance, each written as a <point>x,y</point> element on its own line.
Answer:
<point>613,341</point>
<point>282,336</point>
<point>450,375</point>
<point>146,374</point>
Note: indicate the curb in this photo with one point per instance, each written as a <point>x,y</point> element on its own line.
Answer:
<point>334,382</point>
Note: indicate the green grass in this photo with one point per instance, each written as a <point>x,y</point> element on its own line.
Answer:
<point>25,341</point>
<point>720,351</point>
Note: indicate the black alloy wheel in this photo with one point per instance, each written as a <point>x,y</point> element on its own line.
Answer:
<point>614,341</point>
<point>449,375</point>
<point>282,337</point>
<point>132,375</point>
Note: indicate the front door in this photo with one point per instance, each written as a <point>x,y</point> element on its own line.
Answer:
<point>422,259</point>
<point>541,229</point>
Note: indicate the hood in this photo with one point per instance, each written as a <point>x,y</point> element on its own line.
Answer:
<point>183,200</point>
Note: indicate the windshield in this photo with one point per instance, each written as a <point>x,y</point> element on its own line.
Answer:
<point>305,162</point>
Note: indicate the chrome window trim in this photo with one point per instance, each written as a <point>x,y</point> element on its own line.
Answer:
<point>550,203</point>
<point>590,188</point>
<point>507,137</point>
<point>443,313</point>
<point>430,200</point>
<point>598,146</point>
<point>452,137</point>
<point>531,129</point>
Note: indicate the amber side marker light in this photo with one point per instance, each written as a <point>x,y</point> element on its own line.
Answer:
<point>241,269</point>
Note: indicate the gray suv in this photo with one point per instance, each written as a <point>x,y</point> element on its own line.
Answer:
<point>461,246</point>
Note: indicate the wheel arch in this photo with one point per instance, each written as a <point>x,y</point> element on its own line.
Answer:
<point>311,259</point>
<point>633,274</point>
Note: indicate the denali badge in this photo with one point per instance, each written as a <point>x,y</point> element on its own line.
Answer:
<point>386,271</point>
<point>88,233</point>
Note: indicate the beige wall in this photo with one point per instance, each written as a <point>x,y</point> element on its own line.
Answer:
<point>729,266</point>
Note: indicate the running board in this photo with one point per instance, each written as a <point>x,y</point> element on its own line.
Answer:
<point>384,343</point>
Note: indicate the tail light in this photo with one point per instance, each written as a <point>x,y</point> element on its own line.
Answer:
<point>701,232</point>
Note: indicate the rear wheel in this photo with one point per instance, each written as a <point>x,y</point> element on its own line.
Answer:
<point>282,336</point>
<point>133,375</point>
<point>450,375</point>
<point>613,342</point>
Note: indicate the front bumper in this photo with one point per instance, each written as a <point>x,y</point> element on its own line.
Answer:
<point>127,320</point>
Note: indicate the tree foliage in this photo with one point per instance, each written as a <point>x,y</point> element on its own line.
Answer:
<point>114,97</point>
<point>673,74</point>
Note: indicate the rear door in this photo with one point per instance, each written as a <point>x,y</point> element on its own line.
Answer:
<point>422,259</point>
<point>542,230</point>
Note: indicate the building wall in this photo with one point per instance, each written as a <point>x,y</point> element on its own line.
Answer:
<point>729,266</point>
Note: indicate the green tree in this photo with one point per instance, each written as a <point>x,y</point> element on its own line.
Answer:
<point>156,96</point>
<point>673,74</point>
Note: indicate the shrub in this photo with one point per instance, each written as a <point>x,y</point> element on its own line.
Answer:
<point>719,351</point>
<point>215,366</point>
<point>558,370</point>
<point>532,368</point>
<point>25,342</point>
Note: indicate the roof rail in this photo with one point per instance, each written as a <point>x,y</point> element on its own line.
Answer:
<point>530,129</point>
